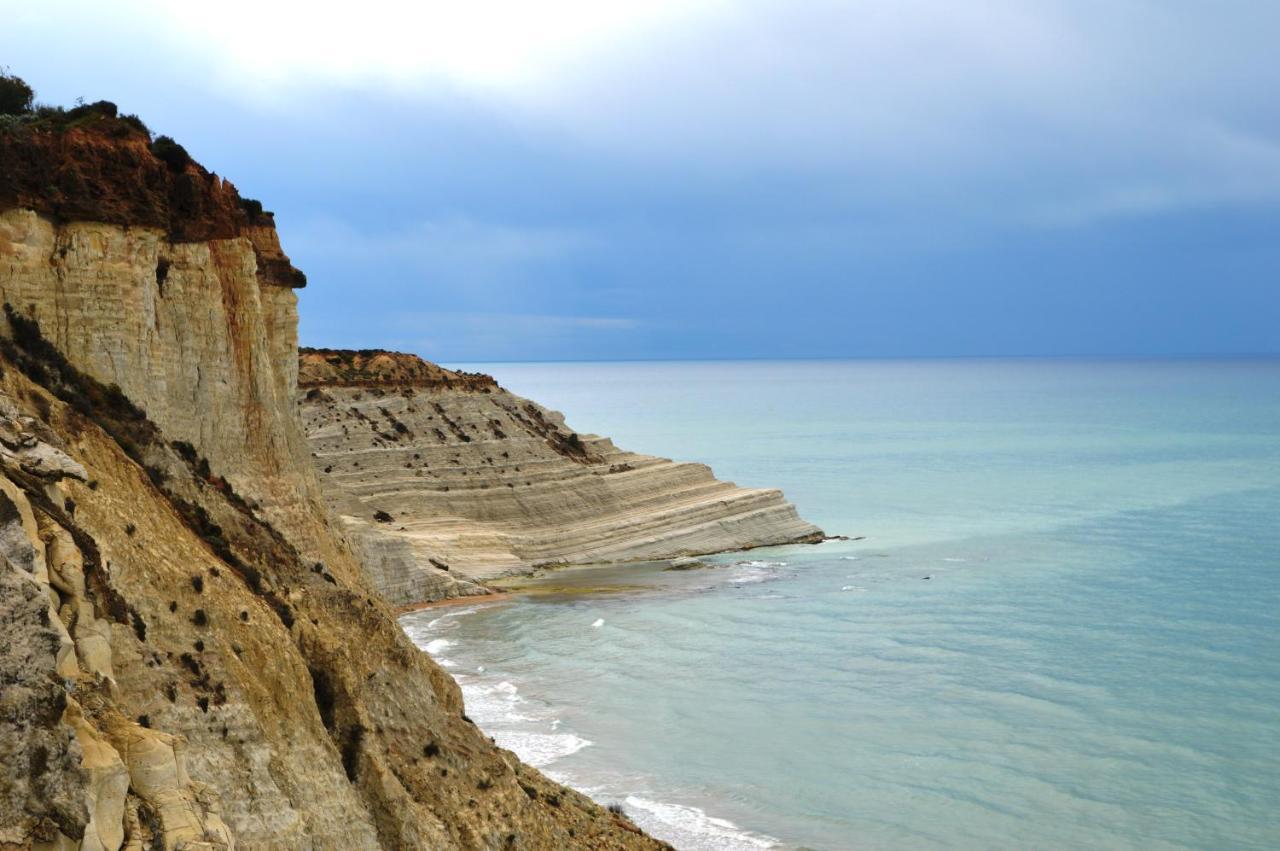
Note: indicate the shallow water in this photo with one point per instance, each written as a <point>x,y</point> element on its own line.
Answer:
<point>1059,632</point>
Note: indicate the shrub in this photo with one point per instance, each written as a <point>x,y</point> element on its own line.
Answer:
<point>170,153</point>
<point>382,516</point>
<point>252,208</point>
<point>15,95</point>
<point>136,123</point>
<point>98,109</point>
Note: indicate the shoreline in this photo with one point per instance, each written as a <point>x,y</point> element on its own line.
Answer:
<point>498,702</point>
<point>506,581</point>
<point>472,599</point>
<point>533,581</point>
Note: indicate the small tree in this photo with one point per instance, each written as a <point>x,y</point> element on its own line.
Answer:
<point>15,94</point>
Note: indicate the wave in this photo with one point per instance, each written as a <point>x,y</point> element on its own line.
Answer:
<point>691,827</point>
<point>494,703</point>
<point>436,623</point>
<point>540,749</point>
<point>751,572</point>
<point>420,633</point>
<point>436,645</point>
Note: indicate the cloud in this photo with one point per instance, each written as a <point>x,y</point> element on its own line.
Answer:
<point>930,104</point>
<point>433,287</point>
<point>492,45</point>
<point>455,253</point>
<point>725,176</point>
<point>522,324</point>
<point>473,336</point>
<point>1202,166</point>
<point>914,102</point>
<point>456,240</point>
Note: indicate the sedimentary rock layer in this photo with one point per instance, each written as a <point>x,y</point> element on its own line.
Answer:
<point>191,332</point>
<point>190,654</point>
<point>432,468</point>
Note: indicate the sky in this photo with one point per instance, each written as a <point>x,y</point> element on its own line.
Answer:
<point>577,180</point>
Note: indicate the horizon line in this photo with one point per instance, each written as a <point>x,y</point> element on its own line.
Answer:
<point>1262,356</point>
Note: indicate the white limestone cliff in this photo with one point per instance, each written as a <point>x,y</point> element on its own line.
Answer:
<point>430,468</point>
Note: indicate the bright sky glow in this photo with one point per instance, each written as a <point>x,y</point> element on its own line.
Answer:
<point>491,44</point>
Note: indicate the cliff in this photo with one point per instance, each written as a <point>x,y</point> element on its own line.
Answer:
<point>445,479</point>
<point>190,654</point>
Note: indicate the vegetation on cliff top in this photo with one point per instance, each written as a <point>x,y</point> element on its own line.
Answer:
<point>91,162</point>
<point>378,367</point>
<point>16,96</point>
<point>18,108</point>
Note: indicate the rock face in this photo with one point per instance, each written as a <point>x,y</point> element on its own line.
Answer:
<point>189,332</point>
<point>190,654</point>
<point>431,468</point>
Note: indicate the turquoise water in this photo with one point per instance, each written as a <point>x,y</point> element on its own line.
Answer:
<point>1059,632</point>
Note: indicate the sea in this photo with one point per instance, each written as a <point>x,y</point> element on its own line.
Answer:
<point>1056,624</point>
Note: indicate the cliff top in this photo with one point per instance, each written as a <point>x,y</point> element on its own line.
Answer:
<point>378,368</point>
<point>91,163</point>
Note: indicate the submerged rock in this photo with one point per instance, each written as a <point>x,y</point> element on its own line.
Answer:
<point>686,563</point>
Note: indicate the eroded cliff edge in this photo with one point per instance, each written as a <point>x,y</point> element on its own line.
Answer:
<point>445,478</point>
<point>190,654</point>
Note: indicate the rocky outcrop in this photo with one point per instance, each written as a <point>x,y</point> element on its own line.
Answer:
<point>191,333</point>
<point>378,368</point>
<point>78,775</point>
<point>190,654</point>
<point>445,479</point>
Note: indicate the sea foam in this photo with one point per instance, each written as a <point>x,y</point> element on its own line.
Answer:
<point>438,645</point>
<point>691,827</point>
<point>540,749</point>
